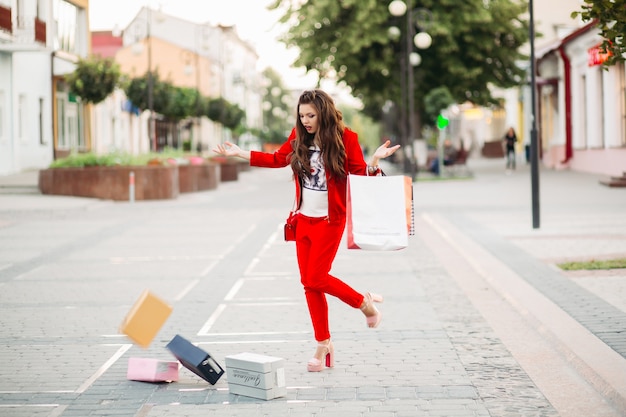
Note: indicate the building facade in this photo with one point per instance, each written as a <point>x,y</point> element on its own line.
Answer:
<point>211,59</point>
<point>40,42</point>
<point>582,106</point>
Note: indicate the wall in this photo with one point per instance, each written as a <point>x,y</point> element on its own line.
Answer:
<point>6,126</point>
<point>32,81</point>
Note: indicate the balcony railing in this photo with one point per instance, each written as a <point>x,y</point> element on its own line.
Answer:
<point>40,31</point>
<point>28,30</point>
<point>5,19</point>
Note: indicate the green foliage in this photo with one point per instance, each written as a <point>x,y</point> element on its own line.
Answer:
<point>182,103</point>
<point>137,92</point>
<point>94,78</point>
<point>234,117</point>
<point>277,109</point>
<point>368,130</point>
<point>435,101</point>
<point>80,160</point>
<point>221,111</point>
<point>611,20</point>
<point>178,103</point>
<point>619,263</point>
<point>90,159</point>
<point>475,45</point>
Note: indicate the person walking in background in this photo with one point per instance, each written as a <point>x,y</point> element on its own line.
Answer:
<point>321,151</point>
<point>509,142</point>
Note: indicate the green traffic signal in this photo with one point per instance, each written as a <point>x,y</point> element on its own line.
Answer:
<point>442,122</point>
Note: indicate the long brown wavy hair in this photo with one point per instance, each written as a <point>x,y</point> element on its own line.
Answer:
<point>329,136</point>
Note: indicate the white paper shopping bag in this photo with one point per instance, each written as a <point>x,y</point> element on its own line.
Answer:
<point>379,212</point>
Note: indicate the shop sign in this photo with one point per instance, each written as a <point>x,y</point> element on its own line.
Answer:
<point>595,56</point>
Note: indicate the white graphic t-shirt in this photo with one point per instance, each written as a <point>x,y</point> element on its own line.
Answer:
<point>314,189</point>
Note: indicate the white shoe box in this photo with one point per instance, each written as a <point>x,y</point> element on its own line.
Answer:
<point>256,376</point>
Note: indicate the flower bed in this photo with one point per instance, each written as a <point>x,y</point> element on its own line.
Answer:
<point>156,176</point>
<point>152,182</point>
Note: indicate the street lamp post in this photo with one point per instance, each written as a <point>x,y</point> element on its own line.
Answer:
<point>534,148</point>
<point>421,40</point>
<point>151,128</point>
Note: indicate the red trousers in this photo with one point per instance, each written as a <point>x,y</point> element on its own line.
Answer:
<point>317,242</point>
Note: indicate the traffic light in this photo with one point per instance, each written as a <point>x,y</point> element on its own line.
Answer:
<point>442,122</point>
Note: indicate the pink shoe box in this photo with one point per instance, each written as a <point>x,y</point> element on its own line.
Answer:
<point>152,370</point>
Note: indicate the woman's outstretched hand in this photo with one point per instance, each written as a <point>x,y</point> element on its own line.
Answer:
<point>383,151</point>
<point>227,149</point>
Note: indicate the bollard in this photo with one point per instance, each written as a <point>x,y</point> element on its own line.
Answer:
<point>131,187</point>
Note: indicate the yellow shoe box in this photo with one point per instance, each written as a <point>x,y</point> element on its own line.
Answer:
<point>145,319</point>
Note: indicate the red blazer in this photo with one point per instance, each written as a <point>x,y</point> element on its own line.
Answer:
<point>354,164</point>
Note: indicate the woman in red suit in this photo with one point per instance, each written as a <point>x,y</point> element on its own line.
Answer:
<point>321,151</point>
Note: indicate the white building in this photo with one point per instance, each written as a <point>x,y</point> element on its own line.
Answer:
<point>582,107</point>
<point>211,59</point>
<point>39,43</point>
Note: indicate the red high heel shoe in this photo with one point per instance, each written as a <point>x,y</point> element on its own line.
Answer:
<point>326,351</point>
<point>373,316</point>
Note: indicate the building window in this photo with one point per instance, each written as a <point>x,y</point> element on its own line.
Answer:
<point>21,116</point>
<point>61,136</point>
<point>600,90</point>
<point>585,112</point>
<point>71,23</point>
<point>621,70</point>
<point>2,122</point>
<point>42,139</point>
<point>80,131</point>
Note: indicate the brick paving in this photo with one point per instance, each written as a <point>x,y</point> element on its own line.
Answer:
<point>71,267</point>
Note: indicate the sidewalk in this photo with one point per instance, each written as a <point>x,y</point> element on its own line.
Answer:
<point>477,319</point>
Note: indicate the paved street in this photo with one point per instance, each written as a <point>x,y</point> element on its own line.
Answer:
<point>477,319</point>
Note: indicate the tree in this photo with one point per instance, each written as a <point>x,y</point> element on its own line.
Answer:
<point>94,78</point>
<point>137,92</point>
<point>475,46</point>
<point>221,111</point>
<point>277,109</point>
<point>435,101</point>
<point>611,20</point>
<point>182,103</point>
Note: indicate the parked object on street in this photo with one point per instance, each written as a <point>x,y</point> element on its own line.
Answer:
<point>195,359</point>
<point>151,370</point>
<point>256,376</point>
<point>145,318</point>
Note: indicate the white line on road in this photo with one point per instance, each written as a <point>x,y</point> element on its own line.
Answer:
<point>211,321</point>
<point>208,269</point>
<point>186,290</point>
<point>254,342</point>
<point>103,368</point>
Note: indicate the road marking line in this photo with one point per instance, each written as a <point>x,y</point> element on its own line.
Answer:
<point>248,342</point>
<point>251,265</point>
<point>186,290</point>
<point>234,289</point>
<point>212,319</point>
<point>103,369</point>
<point>208,269</point>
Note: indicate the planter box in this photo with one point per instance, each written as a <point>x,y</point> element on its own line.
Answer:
<point>493,149</point>
<point>198,177</point>
<point>111,183</point>
<point>229,168</point>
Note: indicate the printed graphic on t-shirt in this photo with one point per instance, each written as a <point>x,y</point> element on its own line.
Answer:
<point>317,182</point>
